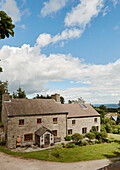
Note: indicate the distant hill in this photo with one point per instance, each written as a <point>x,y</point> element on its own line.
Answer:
<point>107,105</point>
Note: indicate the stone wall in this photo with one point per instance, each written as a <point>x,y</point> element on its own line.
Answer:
<point>30,126</point>
<point>80,123</point>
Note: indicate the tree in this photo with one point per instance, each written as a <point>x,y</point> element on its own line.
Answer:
<point>6,26</point>
<point>20,94</point>
<point>76,137</point>
<point>3,89</point>
<point>80,100</point>
<point>42,97</point>
<point>62,100</point>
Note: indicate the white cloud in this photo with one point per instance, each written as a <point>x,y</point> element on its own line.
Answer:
<point>115,2</point>
<point>82,14</point>
<point>105,10</point>
<point>45,39</point>
<point>52,6</point>
<point>10,7</point>
<point>22,26</point>
<point>28,68</point>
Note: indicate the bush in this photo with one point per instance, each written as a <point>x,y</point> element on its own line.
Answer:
<point>2,143</point>
<point>70,145</point>
<point>103,128</point>
<point>94,129</point>
<point>67,138</point>
<point>76,137</point>
<point>108,128</point>
<point>85,143</point>
<point>57,151</point>
<point>96,141</point>
<point>90,135</point>
<point>103,135</point>
<point>100,140</point>
<point>112,139</point>
<point>115,131</point>
<point>63,145</point>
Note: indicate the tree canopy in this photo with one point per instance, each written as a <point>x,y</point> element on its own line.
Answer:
<point>20,94</point>
<point>80,100</point>
<point>6,25</point>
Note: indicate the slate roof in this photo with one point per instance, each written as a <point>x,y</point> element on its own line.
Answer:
<point>42,130</point>
<point>75,110</point>
<point>19,107</point>
<point>28,107</point>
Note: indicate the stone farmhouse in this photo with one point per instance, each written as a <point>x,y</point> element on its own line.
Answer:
<point>44,121</point>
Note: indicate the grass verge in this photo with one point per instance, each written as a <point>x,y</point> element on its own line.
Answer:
<point>84,153</point>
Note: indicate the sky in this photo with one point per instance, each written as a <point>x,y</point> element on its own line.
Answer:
<point>70,47</point>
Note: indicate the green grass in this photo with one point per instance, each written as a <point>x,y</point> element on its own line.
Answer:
<point>84,153</point>
<point>115,136</point>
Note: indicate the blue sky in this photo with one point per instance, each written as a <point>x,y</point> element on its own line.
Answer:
<point>64,46</point>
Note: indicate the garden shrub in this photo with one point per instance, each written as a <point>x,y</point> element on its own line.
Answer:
<point>2,143</point>
<point>115,131</point>
<point>103,128</point>
<point>63,145</point>
<point>70,145</point>
<point>67,138</point>
<point>96,141</point>
<point>85,143</point>
<point>100,140</point>
<point>76,137</point>
<point>90,135</point>
<point>103,135</point>
<point>94,129</point>
<point>108,128</point>
<point>112,139</point>
<point>57,151</point>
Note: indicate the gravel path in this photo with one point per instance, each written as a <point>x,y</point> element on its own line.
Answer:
<point>8,162</point>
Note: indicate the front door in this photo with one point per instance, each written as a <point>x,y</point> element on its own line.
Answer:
<point>47,139</point>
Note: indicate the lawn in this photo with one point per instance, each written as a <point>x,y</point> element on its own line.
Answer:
<point>84,153</point>
<point>115,136</point>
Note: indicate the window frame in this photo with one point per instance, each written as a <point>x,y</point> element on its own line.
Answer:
<point>95,120</point>
<point>70,131</point>
<point>73,122</point>
<point>55,120</point>
<point>21,122</point>
<point>54,132</point>
<point>84,130</point>
<point>29,137</point>
<point>39,121</point>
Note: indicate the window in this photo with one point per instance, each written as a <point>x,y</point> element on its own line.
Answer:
<point>55,132</point>
<point>95,119</point>
<point>84,130</point>
<point>28,137</point>
<point>73,122</point>
<point>54,120</point>
<point>21,122</point>
<point>70,132</point>
<point>39,121</point>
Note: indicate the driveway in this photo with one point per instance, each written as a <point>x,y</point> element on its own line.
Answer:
<point>8,162</point>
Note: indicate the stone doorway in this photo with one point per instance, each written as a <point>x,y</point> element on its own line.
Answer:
<point>47,139</point>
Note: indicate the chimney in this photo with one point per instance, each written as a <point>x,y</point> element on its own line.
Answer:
<point>6,96</point>
<point>56,97</point>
